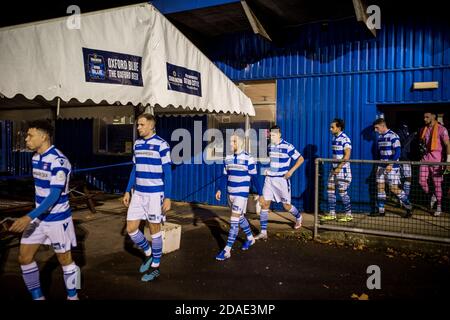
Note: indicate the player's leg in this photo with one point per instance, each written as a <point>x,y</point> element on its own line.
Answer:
<point>61,235</point>
<point>423,178</point>
<point>437,181</point>
<point>407,175</point>
<point>381,193</point>
<point>32,237</point>
<point>283,194</point>
<point>141,241</point>
<point>71,273</point>
<point>236,212</point>
<point>155,217</point>
<point>30,270</point>
<point>331,191</point>
<point>157,245</point>
<point>245,225</point>
<point>344,180</point>
<point>239,210</point>
<point>394,185</point>
<point>268,196</point>
<point>136,213</point>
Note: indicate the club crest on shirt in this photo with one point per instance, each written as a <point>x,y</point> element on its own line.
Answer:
<point>60,176</point>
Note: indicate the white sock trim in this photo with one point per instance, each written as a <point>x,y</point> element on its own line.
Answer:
<point>134,233</point>
<point>26,267</point>
<point>157,235</point>
<point>69,267</point>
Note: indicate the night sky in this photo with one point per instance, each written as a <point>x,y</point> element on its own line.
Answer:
<point>18,12</point>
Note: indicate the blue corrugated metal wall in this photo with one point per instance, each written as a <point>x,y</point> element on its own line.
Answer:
<point>341,72</point>
<point>191,182</point>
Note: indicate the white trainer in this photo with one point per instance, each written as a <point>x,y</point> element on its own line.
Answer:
<point>433,201</point>
<point>262,236</point>
<point>298,223</point>
<point>438,211</point>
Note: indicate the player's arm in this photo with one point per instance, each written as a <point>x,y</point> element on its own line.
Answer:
<point>254,176</point>
<point>447,147</point>
<point>132,179</point>
<point>294,154</point>
<point>20,224</point>
<point>58,181</point>
<point>397,152</point>
<point>221,184</point>
<point>131,183</point>
<point>265,161</point>
<point>445,141</point>
<point>256,184</point>
<point>167,179</point>
<point>347,154</point>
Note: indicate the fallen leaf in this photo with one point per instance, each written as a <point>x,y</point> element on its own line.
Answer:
<point>364,297</point>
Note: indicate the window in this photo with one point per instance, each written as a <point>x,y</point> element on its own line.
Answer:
<point>263,97</point>
<point>114,135</point>
<point>19,134</point>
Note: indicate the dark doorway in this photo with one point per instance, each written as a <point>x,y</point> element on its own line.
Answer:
<point>413,116</point>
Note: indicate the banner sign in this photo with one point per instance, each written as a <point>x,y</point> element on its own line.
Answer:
<point>183,80</point>
<point>112,67</point>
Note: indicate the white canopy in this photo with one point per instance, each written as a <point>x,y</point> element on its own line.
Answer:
<point>127,55</point>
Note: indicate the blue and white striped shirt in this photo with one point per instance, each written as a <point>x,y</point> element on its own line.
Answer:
<point>149,157</point>
<point>239,169</point>
<point>52,169</point>
<point>389,146</point>
<point>338,145</point>
<point>280,158</point>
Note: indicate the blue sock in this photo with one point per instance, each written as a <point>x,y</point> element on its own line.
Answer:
<point>332,201</point>
<point>403,198</point>
<point>264,218</point>
<point>243,222</point>
<point>295,212</point>
<point>157,244</point>
<point>71,278</point>
<point>30,274</point>
<point>381,199</point>
<point>346,201</point>
<point>140,240</point>
<point>407,187</point>
<point>234,230</point>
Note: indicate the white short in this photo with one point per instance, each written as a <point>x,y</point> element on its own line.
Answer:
<point>238,204</point>
<point>393,177</point>
<point>148,207</point>
<point>59,234</point>
<point>405,170</point>
<point>341,181</point>
<point>277,189</point>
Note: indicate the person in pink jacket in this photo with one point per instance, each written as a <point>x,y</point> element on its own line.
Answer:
<point>434,137</point>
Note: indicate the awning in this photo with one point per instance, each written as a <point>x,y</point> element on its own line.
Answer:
<point>123,56</point>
